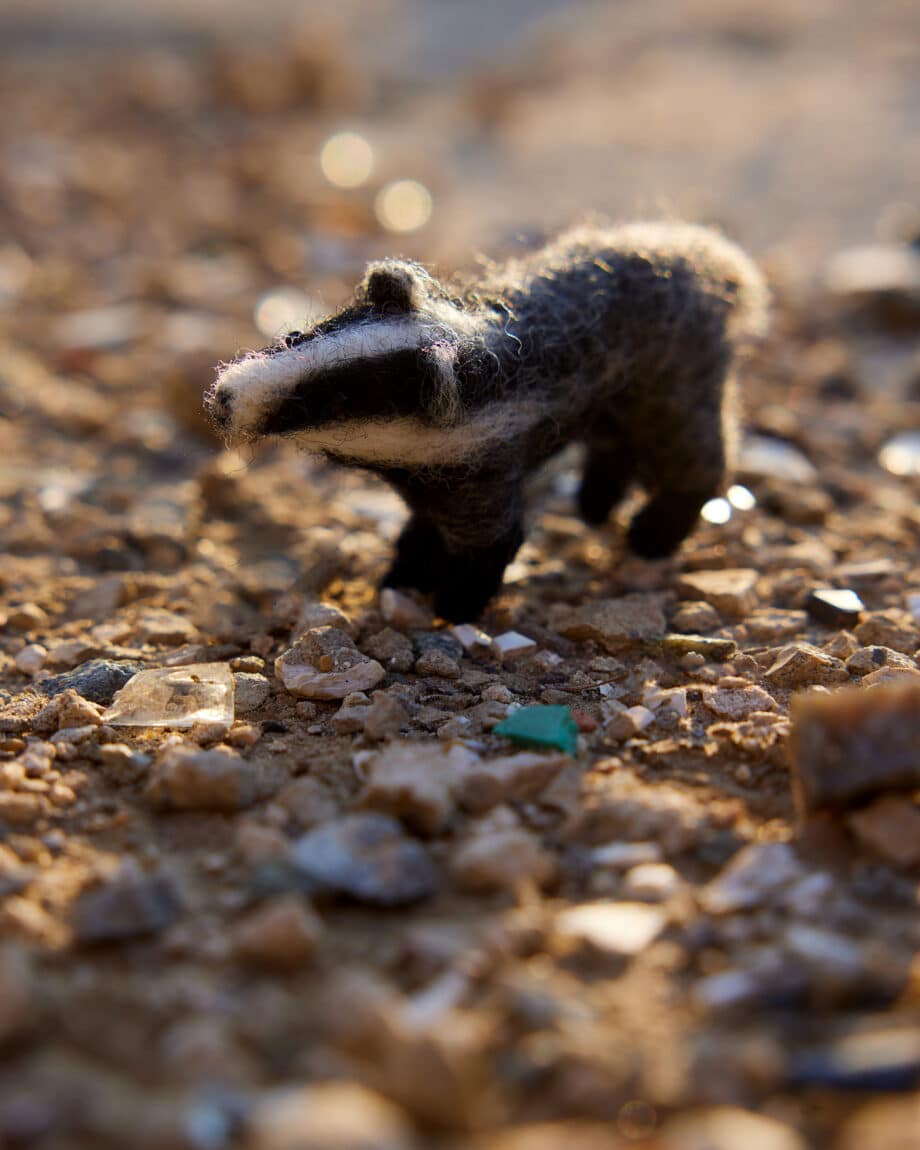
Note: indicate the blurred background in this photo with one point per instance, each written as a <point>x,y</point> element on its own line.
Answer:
<point>191,158</point>
<point>182,180</point>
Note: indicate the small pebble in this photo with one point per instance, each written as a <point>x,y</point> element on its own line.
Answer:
<point>437,663</point>
<point>186,778</point>
<point>751,878</point>
<point>367,857</point>
<point>501,859</point>
<point>31,658</point>
<point>281,935</point>
<point>802,665</point>
<point>250,691</point>
<point>26,617</point>
<point>130,905</point>
<point>731,591</point>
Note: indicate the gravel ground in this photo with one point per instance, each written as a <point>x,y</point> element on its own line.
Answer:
<point>326,904</point>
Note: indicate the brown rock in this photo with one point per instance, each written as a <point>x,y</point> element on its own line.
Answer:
<point>67,710</point>
<point>738,702</point>
<point>851,744</point>
<point>617,624</point>
<point>802,665</point>
<point>728,1128</point>
<point>891,628</point>
<point>281,935</point>
<point>696,618</point>
<point>868,660</point>
<point>21,809</point>
<point>439,663</point>
<point>16,992</point>
<point>732,591</point>
<point>485,784</point>
<point>385,717</point>
<point>308,801</point>
<point>415,782</point>
<point>130,905</point>
<point>392,649</point>
<point>502,859</point>
<point>326,1116</point>
<point>26,617</point>
<point>890,827</point>
<point>188,779</point>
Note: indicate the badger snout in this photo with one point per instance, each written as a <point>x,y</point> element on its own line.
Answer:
<point>220,408</point>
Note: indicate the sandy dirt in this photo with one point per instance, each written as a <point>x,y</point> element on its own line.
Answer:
<point>371,921</point>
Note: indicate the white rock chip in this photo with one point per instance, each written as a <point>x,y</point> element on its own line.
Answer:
<point>617,928</point>
<point>511,644</point>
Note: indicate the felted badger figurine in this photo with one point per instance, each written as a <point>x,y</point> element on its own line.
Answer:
<point>624,339</point>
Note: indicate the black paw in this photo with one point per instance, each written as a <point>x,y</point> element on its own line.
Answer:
<point>469,580</point>
<point>660,527</point>
<point>594,506</point>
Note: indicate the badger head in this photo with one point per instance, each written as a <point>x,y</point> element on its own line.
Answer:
<point>387,360</point>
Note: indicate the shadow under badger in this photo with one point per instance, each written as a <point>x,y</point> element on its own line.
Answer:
<point>625,339</point>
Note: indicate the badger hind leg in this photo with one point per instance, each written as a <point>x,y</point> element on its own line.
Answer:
<point>660,527</point>
<point>609,468</point>
<point>419,559</point>
<point>682,451</point>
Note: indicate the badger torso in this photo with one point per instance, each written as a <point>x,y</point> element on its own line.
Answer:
<point>621,338</point>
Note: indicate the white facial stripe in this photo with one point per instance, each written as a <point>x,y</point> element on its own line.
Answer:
<point>258,381</point>
<point>412,443</point>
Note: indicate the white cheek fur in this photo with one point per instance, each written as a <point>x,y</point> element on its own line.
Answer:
<point>409,442</point>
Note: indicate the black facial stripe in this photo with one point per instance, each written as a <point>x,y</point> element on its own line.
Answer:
<point>378,387</point>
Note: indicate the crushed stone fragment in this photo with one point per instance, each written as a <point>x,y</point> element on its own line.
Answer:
<point>731,591</point>
<point>852,744</point>
<point>802,665</point>
<point>127,906</point>
<point>185,778</point>
<point>624,624</point>
<point>751,878</point>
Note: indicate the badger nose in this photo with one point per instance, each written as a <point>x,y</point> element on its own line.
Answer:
<point>219,406</point>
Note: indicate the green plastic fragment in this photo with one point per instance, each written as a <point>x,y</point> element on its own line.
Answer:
<point>541,727</point>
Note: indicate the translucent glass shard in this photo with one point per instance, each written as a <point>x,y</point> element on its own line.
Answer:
<point>175,697</point>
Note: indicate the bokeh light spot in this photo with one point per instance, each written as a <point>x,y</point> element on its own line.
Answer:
<point>741,497</point>
<point>403,206</point>
<point>347,160</point>
<point>717,511</point>
<point>284,309</point>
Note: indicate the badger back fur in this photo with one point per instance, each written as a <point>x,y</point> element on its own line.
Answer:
<point>624,339</point>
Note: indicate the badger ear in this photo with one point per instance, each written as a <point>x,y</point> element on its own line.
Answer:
<point>393,285</point>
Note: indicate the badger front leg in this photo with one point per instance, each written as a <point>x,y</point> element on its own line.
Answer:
<point>420,557</point>
<point>465,530</point>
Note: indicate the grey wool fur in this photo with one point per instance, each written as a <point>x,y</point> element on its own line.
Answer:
<point>626,339</point>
